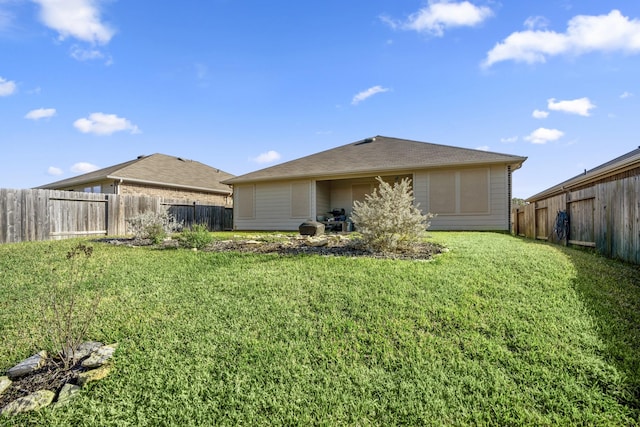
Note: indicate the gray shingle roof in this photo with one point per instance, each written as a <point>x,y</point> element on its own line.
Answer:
<point>156,169</point>
<point>375,155</point>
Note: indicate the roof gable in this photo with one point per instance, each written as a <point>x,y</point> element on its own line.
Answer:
<point>377,155</point>
<point>156,169</point>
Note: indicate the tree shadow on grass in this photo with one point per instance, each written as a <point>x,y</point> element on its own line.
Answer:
<point>610,290</point>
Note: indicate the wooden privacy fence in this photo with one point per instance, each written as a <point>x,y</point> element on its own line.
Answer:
<point>605,216</point>
<point>30,215</point>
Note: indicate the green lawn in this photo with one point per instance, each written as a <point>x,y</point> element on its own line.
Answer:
<point>498,331</point>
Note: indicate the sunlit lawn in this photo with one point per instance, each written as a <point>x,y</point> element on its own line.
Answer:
<point>498,331</point>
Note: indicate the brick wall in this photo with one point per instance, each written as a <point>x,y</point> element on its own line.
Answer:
<point>177,194</point>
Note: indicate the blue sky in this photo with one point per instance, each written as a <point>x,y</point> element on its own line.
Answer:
<point>242,85</point>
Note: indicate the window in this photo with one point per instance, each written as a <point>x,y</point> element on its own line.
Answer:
<point>474,191</point>
<point>300,200</point>
<point>94,189</point>
<point>244,198</point>
<point>459,192</point>
<point>442,192</point>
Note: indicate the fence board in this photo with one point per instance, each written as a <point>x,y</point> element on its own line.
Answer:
<point>27,215</point>
<point>542,223</point>
<point>605,215</point>
<point>581,222</point>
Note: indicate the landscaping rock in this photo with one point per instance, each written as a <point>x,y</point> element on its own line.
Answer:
<point>32,402</point>
<point>68,392</point>
<point>311,228</point>
<point>100,356</point>
<point>85,349</point>
<point>316,242</point>
<point>93,375</point>
<point>5,382</point>
<point>28,365</point>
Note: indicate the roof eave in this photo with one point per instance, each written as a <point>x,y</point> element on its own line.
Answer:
<point>580,180</point>
<point>165,184</point>
<point>515,164</point>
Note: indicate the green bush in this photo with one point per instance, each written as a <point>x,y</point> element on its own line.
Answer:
<point>388,219</point>
<point>155,226</point>
<point>197,237</point>
<point>156,233</point>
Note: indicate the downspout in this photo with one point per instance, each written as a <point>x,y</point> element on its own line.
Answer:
<point>116,186</point>
<point>510,219</point>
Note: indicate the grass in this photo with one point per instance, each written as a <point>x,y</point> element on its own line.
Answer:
<point>498,331</point>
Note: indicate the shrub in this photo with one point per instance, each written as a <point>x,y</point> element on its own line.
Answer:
<point>197,237</point>
<point>155,226</point>
<point>66,314</point>
<point>388,219</point>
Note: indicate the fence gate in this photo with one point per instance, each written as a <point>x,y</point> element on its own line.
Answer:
<point>69,217</point>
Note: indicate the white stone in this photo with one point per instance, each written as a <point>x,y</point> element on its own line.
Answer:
<point>5,382</point>
<point>68,392</point>
<point>100,356</point>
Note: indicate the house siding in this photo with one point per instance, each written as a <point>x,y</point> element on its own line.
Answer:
<point>273,202</point>
<point>272,208</point>
<point>497,218</point>
<point>106,187</point>
<point>323,198</point>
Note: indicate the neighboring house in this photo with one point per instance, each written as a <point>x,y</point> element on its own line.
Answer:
<point>602,205</point>
<point>467,189</point>
<point>156,175</point>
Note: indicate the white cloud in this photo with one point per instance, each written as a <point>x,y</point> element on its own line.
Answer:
<point>6,19</point>
<point>83,167</point>
<point>75,18</point>
<point>268,157</point>
<point>367,93</point>
<point>82,54</point>
<point>7,87</point>
<point>539,114</point>
<point>509,140</point>
<point>534,22</point>
<point>54,171</point>
<point>626,94</point>
<point>544,135</point>
<point>104,124</point>
<point>604,33</point>
<point>483,148</point>
<point>580,106</point>
<point>442,14</point>
<point>40,113</point>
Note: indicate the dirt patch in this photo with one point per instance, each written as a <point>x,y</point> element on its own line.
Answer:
<point>341,245</point>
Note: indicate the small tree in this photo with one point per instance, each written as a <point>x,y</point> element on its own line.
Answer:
<point>67,311</point>
<point>388,219</point>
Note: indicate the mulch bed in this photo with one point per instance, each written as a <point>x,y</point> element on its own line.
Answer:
<point>338,245</point>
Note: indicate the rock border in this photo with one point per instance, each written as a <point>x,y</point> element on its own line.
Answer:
<point>93,356</point>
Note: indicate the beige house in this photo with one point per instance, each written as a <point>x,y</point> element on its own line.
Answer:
<point>467,189</point>
<point>156,175</point>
